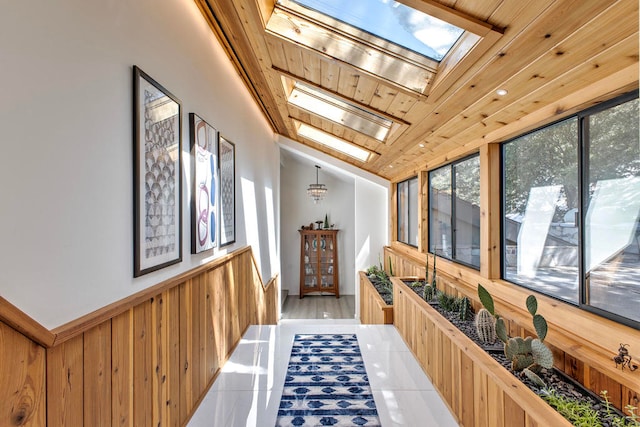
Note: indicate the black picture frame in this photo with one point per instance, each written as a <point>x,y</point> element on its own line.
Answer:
<point>204,190</point>
<point>157,190</point>
<point>227,161</point>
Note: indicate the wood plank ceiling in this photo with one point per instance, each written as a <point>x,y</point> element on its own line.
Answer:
<point>540,52</point>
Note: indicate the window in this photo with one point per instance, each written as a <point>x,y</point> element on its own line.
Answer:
<point>454,211</point>
<point>540,210</point>
<point>395,22</point>
<point>335,143</point>
<point>396,42</point>
<point>407,209</point>
<point>571,210</point>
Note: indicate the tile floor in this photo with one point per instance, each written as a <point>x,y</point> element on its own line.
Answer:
<point>247,391</point>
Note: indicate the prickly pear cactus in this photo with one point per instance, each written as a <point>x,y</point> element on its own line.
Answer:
<point>521,361</point>
<point>542,355</point>
<point>534,378</point>
<point>486,326</point>
<point>501,330</point>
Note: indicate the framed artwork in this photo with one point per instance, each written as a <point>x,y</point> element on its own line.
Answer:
<point>157,191</point>
<point>227,158</point>
<point>204,166</point>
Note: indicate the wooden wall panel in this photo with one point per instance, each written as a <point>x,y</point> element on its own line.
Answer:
<point>187,396</point>
<point>97,375</point>
<point>173,354</point>
<point>65,383</point>
<point>147,364</point>
<point>21,382</point>
<point>142,364</point>
<point>122,369</point>
<point>159,360</point>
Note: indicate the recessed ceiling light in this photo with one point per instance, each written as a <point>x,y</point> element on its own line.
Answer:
<point>502,92</point>
<point>421,145</point>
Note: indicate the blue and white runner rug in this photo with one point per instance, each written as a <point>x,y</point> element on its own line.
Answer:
<point>326,384</point>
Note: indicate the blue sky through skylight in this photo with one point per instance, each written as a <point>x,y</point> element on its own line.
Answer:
<point>394,22</point>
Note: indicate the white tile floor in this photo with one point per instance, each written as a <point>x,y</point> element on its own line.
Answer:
<point>247,391</point>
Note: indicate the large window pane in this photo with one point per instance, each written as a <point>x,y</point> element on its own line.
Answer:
<point>467,211</point>
<point>440,212</point>
<point>413,212</point>
<point>540,210</point>
<point>454,211</point>
<point>612,210</point>
<point>407,211</point>
<point>402,211</point>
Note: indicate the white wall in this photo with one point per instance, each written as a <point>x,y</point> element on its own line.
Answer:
<point>298,209</point>
<point>372,223</point>
<point>66,216</point>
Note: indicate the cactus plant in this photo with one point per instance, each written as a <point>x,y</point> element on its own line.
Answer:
<point>464,308</point>
<point>534,378</point>
<point>486,299</point>
<point>542,355</point>
<point>427,293</point>
<point>434,282</point>
<point>525,353</point>
<point>486,326</point>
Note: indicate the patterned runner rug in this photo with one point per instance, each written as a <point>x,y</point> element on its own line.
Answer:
<point>326,384</point>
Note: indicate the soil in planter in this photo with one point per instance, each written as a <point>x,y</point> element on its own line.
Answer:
<point>563,385</point>
<point>385,292</point>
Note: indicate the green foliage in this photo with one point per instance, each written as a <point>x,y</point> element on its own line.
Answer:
<point>415,284</point>
<point>633,418</point>
<point>447,302</point>
<point>373,270</point>
<point>390,267</point>
<point>486,299</point>
<point>575,411</point>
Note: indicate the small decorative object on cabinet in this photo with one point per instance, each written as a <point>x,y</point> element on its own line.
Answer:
<point>319,262</point>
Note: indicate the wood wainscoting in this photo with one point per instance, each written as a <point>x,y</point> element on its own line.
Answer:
<point>583,343</point>
<point>144,361</point>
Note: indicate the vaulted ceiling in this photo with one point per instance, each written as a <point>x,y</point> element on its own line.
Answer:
<point>406,112</point>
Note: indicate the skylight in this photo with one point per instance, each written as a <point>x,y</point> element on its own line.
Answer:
<point>394,22</point>
<point>332,142</point>
<point>340,112</point>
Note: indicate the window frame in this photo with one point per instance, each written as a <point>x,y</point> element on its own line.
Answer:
<point>409,206</point>
<point>452,227</point>
<point>582,155</point>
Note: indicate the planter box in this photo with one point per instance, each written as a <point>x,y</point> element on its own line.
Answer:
<point>373,309</point>
<point>478,390</point>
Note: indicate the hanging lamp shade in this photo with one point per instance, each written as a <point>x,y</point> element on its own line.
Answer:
<point>317,191</point>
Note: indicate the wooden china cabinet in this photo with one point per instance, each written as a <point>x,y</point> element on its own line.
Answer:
<point>319,262</point>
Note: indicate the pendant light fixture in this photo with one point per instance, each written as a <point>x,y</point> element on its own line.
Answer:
<point>317,191</point>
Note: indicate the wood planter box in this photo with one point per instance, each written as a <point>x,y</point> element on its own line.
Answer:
<point>373,309</point>
<point>478,390</point>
